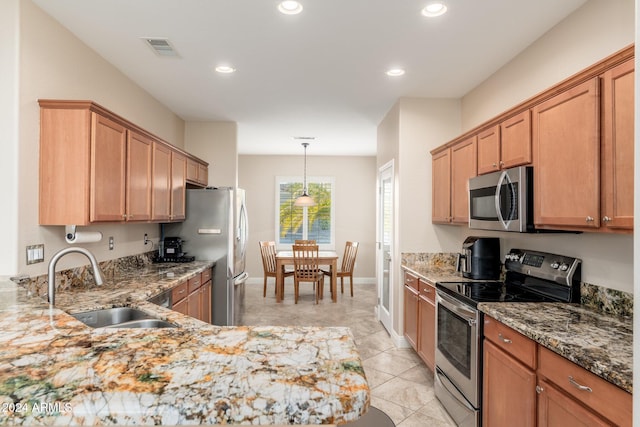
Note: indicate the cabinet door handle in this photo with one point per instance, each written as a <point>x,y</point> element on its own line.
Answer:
<point>504,340</point>
<point>579,386</point>
<point>539,389</point>
<point>606,219</point>
<point>589,219</point>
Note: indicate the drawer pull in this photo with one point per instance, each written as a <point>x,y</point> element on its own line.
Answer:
<point>579,386</point>
<point>504,340</point>
<point>182,291</point>
<point>426,290</point>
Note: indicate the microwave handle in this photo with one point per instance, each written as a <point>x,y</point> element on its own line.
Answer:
<point>503,176</point>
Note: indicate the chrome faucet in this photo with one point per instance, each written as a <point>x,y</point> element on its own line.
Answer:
<point>52,269</point>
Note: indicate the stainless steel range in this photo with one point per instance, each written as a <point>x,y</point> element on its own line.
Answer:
<point>531,276</point>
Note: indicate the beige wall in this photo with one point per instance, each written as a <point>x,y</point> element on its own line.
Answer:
<point>55,64</point>
<point>411,128</point>
<point>9,104</point>
<point>593,32</point>
<point>355,179</point>
<point>215,143</point>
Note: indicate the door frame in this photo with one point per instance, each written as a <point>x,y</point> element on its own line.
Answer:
<point>386,318</point>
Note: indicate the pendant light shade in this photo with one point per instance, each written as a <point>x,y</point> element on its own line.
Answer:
<point>305,199</point>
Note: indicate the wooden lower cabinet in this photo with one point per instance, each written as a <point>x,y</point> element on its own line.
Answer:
<point>526,384</point>
<point>557,409</point>
<point>199,300</point>
<point>427,324</point>
<point>420,317</point>
<point>411,316</point>
<point>504,378</point>
<point>179,298</point>
<point>205,302</point>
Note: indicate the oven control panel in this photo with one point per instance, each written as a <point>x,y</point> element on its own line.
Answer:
<point>558,268</point>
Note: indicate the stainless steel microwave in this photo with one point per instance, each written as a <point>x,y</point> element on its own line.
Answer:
<point>502,200</point>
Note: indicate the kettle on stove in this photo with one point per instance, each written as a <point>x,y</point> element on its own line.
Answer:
<point>480,258</point>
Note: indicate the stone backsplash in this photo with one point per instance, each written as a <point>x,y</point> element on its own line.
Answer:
<point>80,277</point>
<point>610,301</point>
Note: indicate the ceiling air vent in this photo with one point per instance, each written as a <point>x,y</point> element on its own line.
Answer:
<point>161,47</point>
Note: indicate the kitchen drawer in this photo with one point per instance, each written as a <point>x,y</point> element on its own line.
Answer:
<point>427,290</point>
<point>179,292</point>
<point>206,275</point>
<point>512,342</point>
<point>411,281</point>
<point>603,397</point>
<point>195,282</point>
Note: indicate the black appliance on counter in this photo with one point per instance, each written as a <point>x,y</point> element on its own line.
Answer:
<point>531,276</point>
<point>480,258</point>
<point>171,251</point>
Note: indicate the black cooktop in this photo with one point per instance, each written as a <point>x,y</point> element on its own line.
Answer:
<point>475,292</point>
<point>531,276</point>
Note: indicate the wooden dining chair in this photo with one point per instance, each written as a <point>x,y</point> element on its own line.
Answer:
<point>268,252</point>
<point>306,269</point>
<point>304,242</point>
<point>348,262</point>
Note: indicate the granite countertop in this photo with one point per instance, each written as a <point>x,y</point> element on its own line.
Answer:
<point>56,370</point>
<point>599,342</point>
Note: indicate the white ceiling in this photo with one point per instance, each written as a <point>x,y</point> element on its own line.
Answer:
<point>320,73</point>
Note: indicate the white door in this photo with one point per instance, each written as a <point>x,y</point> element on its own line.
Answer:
<point>385,244</point>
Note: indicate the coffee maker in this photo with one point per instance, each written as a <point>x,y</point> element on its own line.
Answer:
<point>480,258</point>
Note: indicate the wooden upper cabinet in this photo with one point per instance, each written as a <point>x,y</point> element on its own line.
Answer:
<point>178,185</point>
<point>203,174</point>
<point>489,150</point>
<point>505,145</point>
<point>197,173</point>
<point>441,187</point>
<point>566,137</point>
<point>617,147</point>
<point>108,169</point>
<point>161,188</point>
<point>464,157</point>
<point>515,140</point>
<point>65,154</point>
<point>96,167</point>
<point>139,168</point>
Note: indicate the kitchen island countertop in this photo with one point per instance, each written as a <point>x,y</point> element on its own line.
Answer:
<point>56,370</point>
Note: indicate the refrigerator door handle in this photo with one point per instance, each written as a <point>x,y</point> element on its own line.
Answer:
<point>241,279</point>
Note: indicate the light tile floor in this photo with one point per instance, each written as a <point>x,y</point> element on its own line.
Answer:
<point>401,384</point>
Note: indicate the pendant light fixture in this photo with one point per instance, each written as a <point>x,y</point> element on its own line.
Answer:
<point>305,199</point>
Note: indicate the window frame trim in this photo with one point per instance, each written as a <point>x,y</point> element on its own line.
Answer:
<point>322,179</point>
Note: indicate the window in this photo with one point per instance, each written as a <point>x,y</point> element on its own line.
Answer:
<point>316,222</point>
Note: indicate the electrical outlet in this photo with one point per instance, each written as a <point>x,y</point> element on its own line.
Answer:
<point>111,243</point>
<point>35,254</point>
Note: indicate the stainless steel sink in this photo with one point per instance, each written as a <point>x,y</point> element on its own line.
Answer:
<point>121,317</point>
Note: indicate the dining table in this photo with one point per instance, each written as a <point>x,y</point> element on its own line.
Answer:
<point>284,258</point>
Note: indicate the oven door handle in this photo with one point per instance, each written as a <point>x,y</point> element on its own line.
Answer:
<point>457,307</point>
<point>504,175</point>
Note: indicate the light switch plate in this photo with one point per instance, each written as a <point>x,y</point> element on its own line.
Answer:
<point>35,254</point>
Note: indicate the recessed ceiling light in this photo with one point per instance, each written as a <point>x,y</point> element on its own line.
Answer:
<point>435,8</point>
<point>225,69</point>
<point>290,7</point>
<point>395,72</point>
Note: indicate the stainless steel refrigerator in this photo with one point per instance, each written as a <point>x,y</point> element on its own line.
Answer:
<point>216,229</point>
